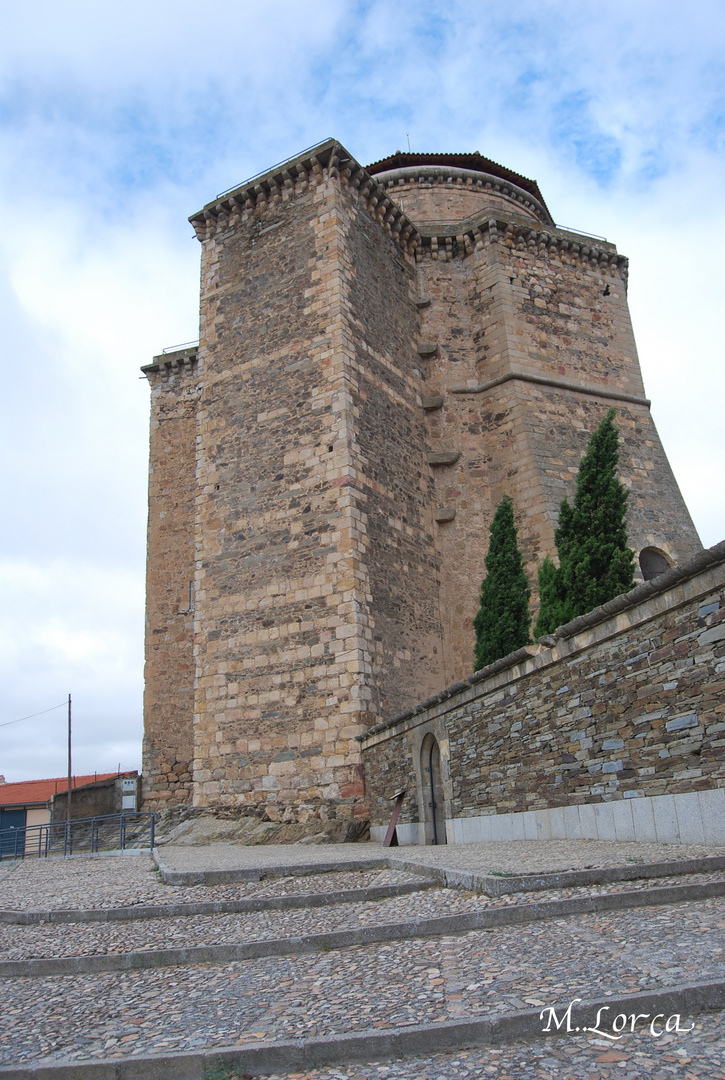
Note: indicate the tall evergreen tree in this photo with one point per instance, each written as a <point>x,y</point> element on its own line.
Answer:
<point>553,611</point>
<point>595,562</point>
<point>503,620</point>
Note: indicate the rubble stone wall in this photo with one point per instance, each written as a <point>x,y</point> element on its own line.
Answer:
<point>626,703</point>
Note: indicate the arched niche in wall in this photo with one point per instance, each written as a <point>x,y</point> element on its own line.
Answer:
<point>653,562</point>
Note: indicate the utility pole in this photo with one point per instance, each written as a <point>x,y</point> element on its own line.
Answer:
<point>67,808</point>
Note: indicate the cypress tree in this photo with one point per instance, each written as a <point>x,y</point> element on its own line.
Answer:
<point>595,562</point>
<point>503,620</point>
<point>553,611</point>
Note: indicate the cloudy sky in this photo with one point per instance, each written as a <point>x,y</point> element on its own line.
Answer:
<point>118,121</point>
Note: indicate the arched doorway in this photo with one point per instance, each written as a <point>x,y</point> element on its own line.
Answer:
<point>433,811</point>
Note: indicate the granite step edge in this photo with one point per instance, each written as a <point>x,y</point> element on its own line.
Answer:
<point>247,905</point>
<point>410,929</point>
<point>494,884</point>
<point>259,1059</point>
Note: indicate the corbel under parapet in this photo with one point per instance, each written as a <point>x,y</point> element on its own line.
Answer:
<point>182,361</point>
<point>329,160</point>
<point>568,247</point>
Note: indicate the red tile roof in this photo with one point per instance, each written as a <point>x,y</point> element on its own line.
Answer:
<point>29,792</point>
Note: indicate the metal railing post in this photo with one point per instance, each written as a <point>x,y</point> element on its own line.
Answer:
<point>16,843</point>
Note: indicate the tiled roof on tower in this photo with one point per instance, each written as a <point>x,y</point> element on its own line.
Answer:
<point>476,162</point>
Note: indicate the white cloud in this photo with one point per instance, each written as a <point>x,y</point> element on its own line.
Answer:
<point>166,43</point>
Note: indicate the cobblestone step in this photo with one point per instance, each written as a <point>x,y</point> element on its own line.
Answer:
<point>482,975</point>
<point>499,884</point>
<point>84,936</point>
<point>641,1054</point>
<point>652,1011</point>
<point>129,884</point>
<point>213,907</point>
<point>498,861</point>
<point>269,869</point>
<point>623,945</point>
<point>262,940</point>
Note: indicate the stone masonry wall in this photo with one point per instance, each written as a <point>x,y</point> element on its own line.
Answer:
<point>275,667</point>
<point>366,389</point>
<point>311,459</point>
<point>431,195</point>
<point>628,702</point>
<point>168,747</point>
<point>527,351</point>
<point>429,204</point>
<point>394,481</point>
<point>572,324</point>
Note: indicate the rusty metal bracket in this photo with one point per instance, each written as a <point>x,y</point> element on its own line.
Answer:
<point>391,836</point>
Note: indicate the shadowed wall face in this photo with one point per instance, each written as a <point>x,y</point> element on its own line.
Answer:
<point>168,747</point>
<point>394,479</point>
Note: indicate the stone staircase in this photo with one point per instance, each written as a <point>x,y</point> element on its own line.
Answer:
<point>357,962</point>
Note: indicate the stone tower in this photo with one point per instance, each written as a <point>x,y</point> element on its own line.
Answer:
<point>384,353</point>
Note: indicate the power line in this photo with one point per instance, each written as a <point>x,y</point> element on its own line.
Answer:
<point>62,705</point>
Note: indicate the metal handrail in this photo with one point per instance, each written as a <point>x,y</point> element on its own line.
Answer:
<point>580,232</point>
<point>40,841</point>
<point>178,348</point>
<point>274,168</point>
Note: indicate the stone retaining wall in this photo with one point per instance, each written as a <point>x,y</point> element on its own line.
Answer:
<point>626,703</point>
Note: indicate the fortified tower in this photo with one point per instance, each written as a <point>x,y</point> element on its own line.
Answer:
<point>384,353</point>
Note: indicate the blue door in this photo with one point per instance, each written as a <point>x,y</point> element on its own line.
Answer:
<point>12,833</point>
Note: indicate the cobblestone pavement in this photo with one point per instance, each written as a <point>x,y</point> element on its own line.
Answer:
<point>536,856</point>
<point>550,856</point>
<point>121,882</point>
<point>106,883</point>
<point>694,1055</point>
<point>75,939</point>
<point>483,973</point>
<point>230,856</point>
